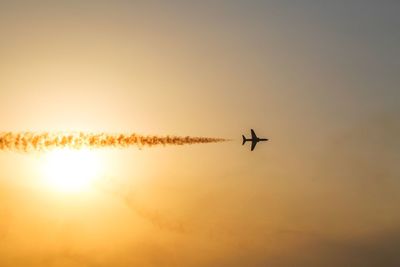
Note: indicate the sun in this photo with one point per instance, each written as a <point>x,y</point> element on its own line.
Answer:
<point>71,171</point>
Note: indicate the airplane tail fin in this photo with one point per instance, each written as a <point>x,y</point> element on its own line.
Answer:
<point>244,139</point>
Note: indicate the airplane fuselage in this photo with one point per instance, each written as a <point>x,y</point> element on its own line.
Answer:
<point>254,139</point>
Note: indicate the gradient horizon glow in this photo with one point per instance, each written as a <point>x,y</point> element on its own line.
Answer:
<point>320,79</point>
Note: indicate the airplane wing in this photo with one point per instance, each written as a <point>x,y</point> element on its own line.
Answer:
<point>253,134</point>
<point>253,144</point>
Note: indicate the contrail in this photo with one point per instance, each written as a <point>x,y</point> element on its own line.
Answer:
<point>34,141</point>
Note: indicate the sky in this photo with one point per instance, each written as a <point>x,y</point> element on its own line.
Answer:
<point>320,79</point>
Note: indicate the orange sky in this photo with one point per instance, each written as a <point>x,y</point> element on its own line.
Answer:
<point>319,79</point>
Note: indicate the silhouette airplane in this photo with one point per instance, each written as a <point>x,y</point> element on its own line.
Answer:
<point>254,139</point>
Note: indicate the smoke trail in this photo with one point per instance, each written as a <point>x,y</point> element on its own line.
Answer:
<point>32,141</point>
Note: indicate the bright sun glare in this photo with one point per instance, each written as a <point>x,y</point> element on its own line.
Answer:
<point>71,171</point>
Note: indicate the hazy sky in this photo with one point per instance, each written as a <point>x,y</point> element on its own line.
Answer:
<point>319,78</point>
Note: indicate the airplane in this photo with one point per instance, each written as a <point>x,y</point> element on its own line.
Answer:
<point>254,139</point>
